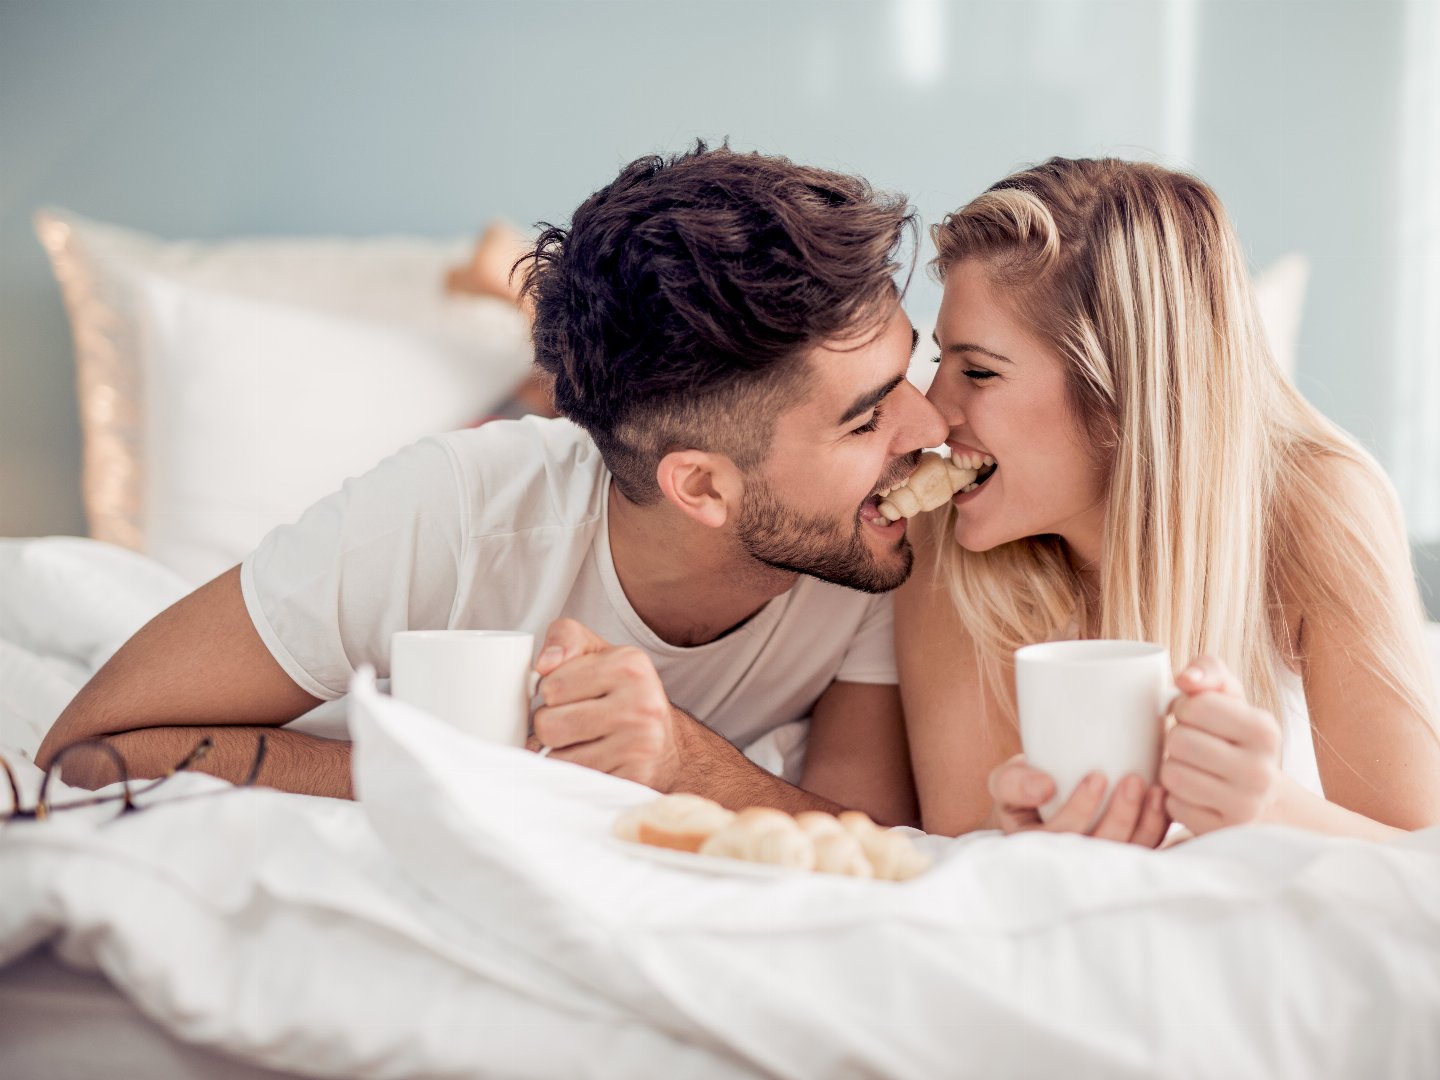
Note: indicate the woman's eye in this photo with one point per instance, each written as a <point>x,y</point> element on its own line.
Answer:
<point>975,374</point>
<point>869,425</point>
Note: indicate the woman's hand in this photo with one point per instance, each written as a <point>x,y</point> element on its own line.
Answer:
<point>1136,814</point>
<point>1222,756</point>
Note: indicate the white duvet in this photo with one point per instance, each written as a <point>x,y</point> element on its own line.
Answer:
<point>471,916</point>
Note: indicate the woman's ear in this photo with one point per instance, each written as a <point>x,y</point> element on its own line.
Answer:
<point>705,487</point>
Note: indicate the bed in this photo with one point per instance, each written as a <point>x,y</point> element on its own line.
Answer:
<point>470,915</point>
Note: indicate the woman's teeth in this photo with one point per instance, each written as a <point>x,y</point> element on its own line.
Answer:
<point>986,470</point>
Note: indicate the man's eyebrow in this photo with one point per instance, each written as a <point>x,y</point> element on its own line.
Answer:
<point>965,346</point>
<point>865,402</point>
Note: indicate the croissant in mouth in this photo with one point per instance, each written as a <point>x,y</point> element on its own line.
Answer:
<point>932,484</point>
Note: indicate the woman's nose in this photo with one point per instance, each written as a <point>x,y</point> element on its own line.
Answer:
<point>947,404</point>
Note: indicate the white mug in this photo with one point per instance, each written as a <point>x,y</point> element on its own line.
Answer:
<point>474,680</point>
<point>1092,706</point>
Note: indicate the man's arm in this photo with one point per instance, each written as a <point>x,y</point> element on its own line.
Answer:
<point>605,708</point>
<point>200,668</point>
<point>712,766</point>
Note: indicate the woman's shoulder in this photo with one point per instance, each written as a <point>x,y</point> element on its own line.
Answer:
<point>1332,497</point>
<point>1342,480</point>
<point>1338,530</point>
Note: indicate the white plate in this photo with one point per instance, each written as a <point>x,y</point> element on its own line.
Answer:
<point>704,864</point>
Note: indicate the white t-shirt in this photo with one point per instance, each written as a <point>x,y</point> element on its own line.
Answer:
<point>504,527</point>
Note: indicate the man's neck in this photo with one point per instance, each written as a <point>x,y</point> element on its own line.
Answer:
<point>686,582</point>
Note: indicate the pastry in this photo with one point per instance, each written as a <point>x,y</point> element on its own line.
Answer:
<point>764,836</point>
<point>679,822</point>
<point>836,851</point>
<point>892,855</point>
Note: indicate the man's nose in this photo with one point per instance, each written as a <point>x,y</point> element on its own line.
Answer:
<point>925,426</point>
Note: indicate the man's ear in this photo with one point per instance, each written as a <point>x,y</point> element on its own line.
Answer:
<point>705,487</point>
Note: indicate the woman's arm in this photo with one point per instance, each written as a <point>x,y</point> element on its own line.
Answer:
<point>1356,616</point>
<point>1376,744</point>
<point>1222,765</point>
<point>952,748</point>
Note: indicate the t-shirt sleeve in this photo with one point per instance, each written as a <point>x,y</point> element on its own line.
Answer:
<point>871,655</point>
<point>381,554</point>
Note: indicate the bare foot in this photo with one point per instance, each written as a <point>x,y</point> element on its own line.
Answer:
<point>489,271</point>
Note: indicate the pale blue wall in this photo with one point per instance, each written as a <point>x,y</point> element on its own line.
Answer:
<point>212,119</point>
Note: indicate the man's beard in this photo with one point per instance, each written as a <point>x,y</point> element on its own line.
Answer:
<point>780,536</point>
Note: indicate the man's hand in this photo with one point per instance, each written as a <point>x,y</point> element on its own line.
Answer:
<point>1135,815</point>
<point>1222,757</point>
<point>605,708</point>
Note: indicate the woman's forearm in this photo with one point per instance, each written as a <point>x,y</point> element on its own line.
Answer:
<point>1296,806</point>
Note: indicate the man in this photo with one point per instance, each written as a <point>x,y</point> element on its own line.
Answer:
<point>698,543</point>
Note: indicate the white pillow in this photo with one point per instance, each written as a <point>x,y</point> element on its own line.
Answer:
<point>1280,296</point>
<point>224,387</point>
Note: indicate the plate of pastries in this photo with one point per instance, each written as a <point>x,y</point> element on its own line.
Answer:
<point>698,834</point>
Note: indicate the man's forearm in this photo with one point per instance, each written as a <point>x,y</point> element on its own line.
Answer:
<point>293,761</point>
<point>711,766</point>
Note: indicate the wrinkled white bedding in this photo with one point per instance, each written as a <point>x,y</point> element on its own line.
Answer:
<point>470,916</point>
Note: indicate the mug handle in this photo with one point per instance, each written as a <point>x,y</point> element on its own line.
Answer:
<point>1173,695</point>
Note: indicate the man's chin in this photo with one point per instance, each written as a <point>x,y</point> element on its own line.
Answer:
<point>899,571</point>
<point>875,575</point>
<point>784,540</point>
<point>888,566</point>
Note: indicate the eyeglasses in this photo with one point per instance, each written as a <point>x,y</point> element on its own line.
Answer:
<point>123,802</point>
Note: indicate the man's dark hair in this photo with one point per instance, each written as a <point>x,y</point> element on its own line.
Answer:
<point>676,310</point>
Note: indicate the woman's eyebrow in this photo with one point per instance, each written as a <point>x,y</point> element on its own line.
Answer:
<point>965,346</point>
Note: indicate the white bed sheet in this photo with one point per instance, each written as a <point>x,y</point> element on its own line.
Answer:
<point>471,917</point>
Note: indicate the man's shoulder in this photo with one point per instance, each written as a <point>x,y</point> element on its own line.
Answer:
<point>531,443</point>
<point>529,473</point>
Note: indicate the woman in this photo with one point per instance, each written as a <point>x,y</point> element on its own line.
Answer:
<point>1156,478</point>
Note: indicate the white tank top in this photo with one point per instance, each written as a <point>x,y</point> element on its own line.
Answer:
<point>1297,748</point>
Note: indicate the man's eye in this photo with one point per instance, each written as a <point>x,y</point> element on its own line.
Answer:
<point>869,425</point>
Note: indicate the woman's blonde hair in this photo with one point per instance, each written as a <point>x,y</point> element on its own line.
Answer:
<point>1134,276</point>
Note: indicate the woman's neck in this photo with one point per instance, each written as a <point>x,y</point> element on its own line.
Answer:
<point>1083,551</point>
